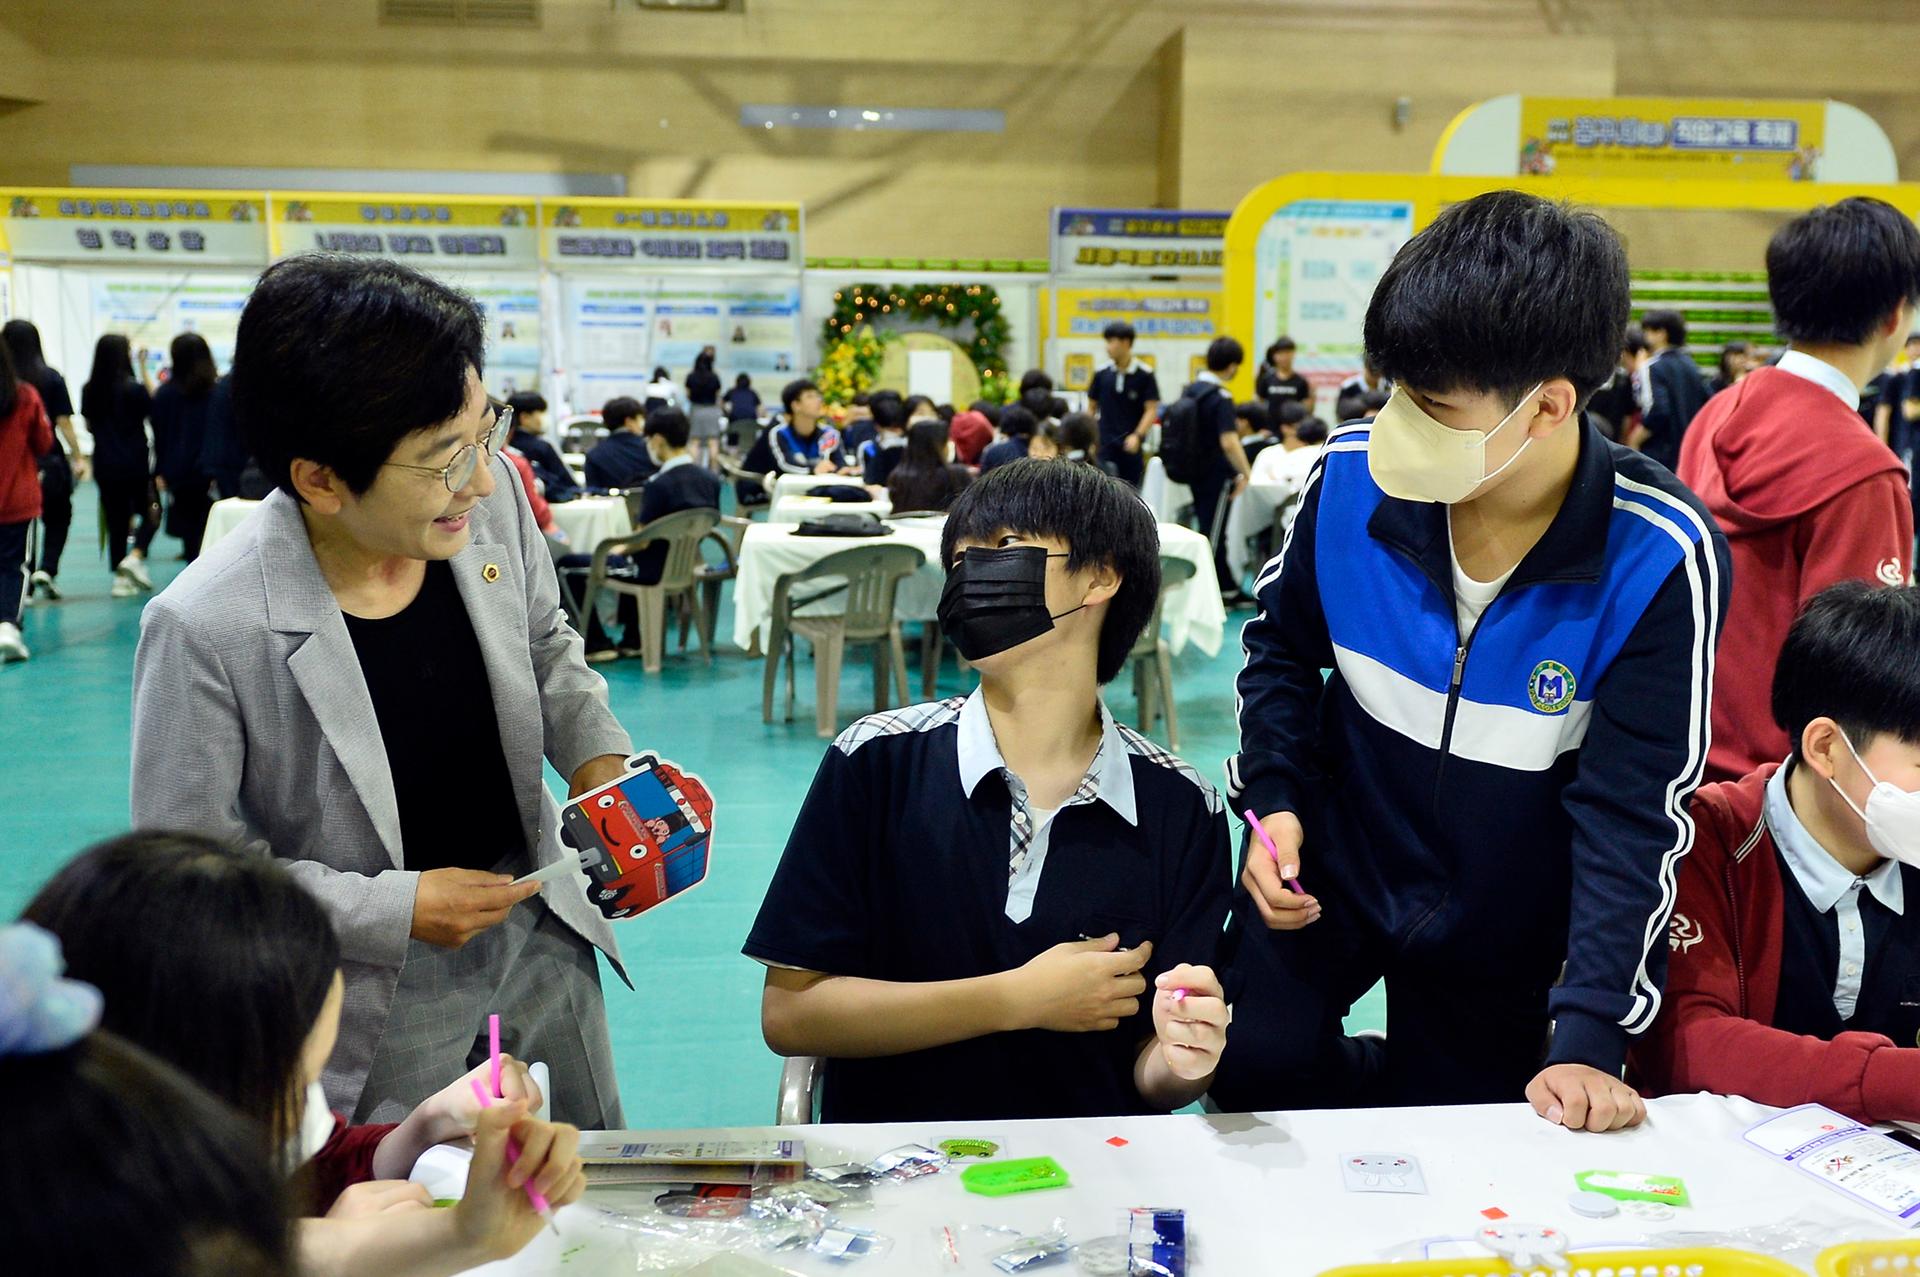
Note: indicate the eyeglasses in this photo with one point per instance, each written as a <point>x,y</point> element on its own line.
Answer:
<point>458,473</point>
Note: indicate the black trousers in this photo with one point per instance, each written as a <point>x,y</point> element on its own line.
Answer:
<point>56,510</point>
<point>188,503</point>
<point>1130,466</point>
<point>13,569</point>
<point>1208,492</point>
<point>125,505</point>
<point>1465,1025</point>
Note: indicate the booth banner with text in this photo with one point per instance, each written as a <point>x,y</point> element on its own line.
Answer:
<point>1172,329</point>
<point>1137,242</point>
<point>172,228</point>
<point>432,232</point>
<point>619,329</point>
<point>1315,269</point>
<point>1671,137</point>
<point>656,234</point>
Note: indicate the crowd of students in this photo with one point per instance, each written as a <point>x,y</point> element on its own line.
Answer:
<point>1483,684</point>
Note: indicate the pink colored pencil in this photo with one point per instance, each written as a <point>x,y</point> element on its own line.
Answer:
<point>493,1047</point>
<point>534,1195</point>
<point>1293,884</point>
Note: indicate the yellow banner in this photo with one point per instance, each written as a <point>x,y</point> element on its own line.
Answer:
<point>447,231</point>
<point>1190,315</point>
<point>209,227</point>
<point>1672,137</point>
<point>668,215</point>
<point>682,234</point>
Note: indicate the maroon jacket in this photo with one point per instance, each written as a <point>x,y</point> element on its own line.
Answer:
<point>344,1160</point>
<point>25,436</point>
<point>1723,981</point>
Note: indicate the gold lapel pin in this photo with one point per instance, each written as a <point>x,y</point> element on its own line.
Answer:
<point>490,573</point>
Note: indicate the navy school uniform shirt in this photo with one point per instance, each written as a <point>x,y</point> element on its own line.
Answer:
<point>621,460</point>
<point>901,867</point>
<point>999,454</point>
<point>1502,798</point>
<point>878,459</point>
<point>676,486</point>
<point>556,480</point>
<point>1122,399</point>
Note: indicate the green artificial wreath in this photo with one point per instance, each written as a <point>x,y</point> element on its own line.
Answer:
<point>858,306</point>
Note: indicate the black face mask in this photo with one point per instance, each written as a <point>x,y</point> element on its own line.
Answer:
<point>997,599</point>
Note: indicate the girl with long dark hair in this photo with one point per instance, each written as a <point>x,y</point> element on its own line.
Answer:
<point>179,415</point>
<point>115,403</point>
<point>927,478</point>
<point>62,467</point>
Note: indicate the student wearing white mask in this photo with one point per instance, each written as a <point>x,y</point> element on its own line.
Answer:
<point>1520,618</point>
<point>1796,939</point>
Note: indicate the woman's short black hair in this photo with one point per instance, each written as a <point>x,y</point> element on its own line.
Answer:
<point>1501,292</point>
<point>1101,520</point>
<point>671,425</point>
<point>1670,322</point>
<point>136,1170</point>
<point>791,392</point>
<point>618,411</point>
<point>1017,422</point>
<point>1850,657</point>
<point>1118,330</point>
<point>916,402</point>
<point>214,959</point>
<point>1282,345</point>
<point>1224,353</point>
<point>340,358</point>
<point>1837,271</point>
<point>525,401</point>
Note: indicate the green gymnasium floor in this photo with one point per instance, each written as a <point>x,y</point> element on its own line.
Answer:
<point>687,1037</point>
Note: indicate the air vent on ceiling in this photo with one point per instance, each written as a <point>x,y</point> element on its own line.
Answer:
<point>697,6</point>
<point>462,13</point>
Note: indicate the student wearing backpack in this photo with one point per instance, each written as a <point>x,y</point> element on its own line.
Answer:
<point>1200,447</point>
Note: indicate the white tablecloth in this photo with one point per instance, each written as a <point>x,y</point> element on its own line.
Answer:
<point>588,521</point>
<point>1194,612</point>
<point>794,509</point>
<point>1163,496</point>
<point>224,518</point>
<point>1251,511</point>
<point>798,485</point>
<point>1264,1193</point>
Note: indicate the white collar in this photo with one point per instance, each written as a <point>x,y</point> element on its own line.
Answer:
<point>1109,777</point>
<point>1208,374</point>
<point>1824,879</point>
<point>674,463</point>
<point>1821,373</point>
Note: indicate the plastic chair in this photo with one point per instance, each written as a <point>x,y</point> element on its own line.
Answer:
<point>580,432</point>
<point>710,576</point>
<point>682,531</point>
<point>867,577</point>
<point>799,1091</point>
<point>734,472</point>
<point>1153,663</point>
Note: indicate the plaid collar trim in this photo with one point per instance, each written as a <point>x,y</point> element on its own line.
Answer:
<point>1109,777</point>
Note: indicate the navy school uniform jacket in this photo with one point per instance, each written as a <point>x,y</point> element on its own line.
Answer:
<point>796,455</point>
<point>1487,799</point>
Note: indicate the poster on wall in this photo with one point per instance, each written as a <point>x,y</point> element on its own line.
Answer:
<point>1122,243</point>
<point>168,228</point>
<point>1316,265</point>
<point>511,305</point>
<point>618,329</point>
<point>675,234</point>
<point>150,309</point>
<point>432,232</point>
<point>1172,328</point>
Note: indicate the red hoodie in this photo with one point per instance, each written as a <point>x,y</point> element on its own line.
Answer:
<point>1807,496</point>
<point>25,436</point>
<point>1715,1031</point>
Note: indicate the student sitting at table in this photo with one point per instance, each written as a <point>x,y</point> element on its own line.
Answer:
<point>529,437</point>
<point>881,453</point>
<point>1080,440</point>
<point>140,1170</point>
<point>1794,965</point>
<point>806,444</point>
<point>979,893</point>
<point>1017,428</point>
<point>221,965</point>
<point>971,432</point>
<point>927,477</point>
<point>621,460</point>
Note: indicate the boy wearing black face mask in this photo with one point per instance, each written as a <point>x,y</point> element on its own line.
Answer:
<point>1006,905</point>
<point>1488,797</point>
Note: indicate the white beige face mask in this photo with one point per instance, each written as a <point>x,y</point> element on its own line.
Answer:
<point>1892,814</point>
<point>1415,458</point>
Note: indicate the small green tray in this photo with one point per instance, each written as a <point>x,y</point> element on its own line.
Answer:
<point>1021,1175</point>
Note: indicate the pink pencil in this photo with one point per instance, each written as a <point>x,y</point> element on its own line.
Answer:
<point>534,1195</point>
<point>1293,884</point>
<point>493,1048</point>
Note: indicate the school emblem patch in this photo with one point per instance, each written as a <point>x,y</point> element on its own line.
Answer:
<point>1550,687</point>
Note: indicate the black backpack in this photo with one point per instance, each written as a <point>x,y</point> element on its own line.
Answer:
<point>1184,446</point>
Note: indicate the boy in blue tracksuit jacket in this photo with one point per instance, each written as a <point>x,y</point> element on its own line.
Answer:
<point>1520,618</point>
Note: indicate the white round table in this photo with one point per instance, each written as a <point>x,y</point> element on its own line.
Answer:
<point>588,521</point>
<point>224,517</point>
<point>1167,499</point>
<point>796,509</point>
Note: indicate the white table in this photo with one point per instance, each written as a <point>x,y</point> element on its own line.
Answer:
<point>799,485</point>
<point>588,521</point>
<point>1264,1193</point>
<point>225,516</point>
<point>1193,614</point>
<point>1163,496</point>
<point>1251,511</point>
<point>799,509</point>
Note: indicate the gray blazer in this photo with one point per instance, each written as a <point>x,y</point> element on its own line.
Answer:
<point>252,723</point>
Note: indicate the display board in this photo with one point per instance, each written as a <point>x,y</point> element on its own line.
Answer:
<point>1137,243</point>
<point>1316,263</point>
<point>174,229</point>
<point>1172,328</point>
<point>617,328</point>
<point>150,308</point>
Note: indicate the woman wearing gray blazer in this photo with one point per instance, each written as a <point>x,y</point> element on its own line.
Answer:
<point>365,679</point>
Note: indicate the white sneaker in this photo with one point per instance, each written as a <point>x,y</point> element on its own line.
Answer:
<point>12,646</point>
<point>123,588</point>
<point>43,583</point>
<point>135,570</point>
